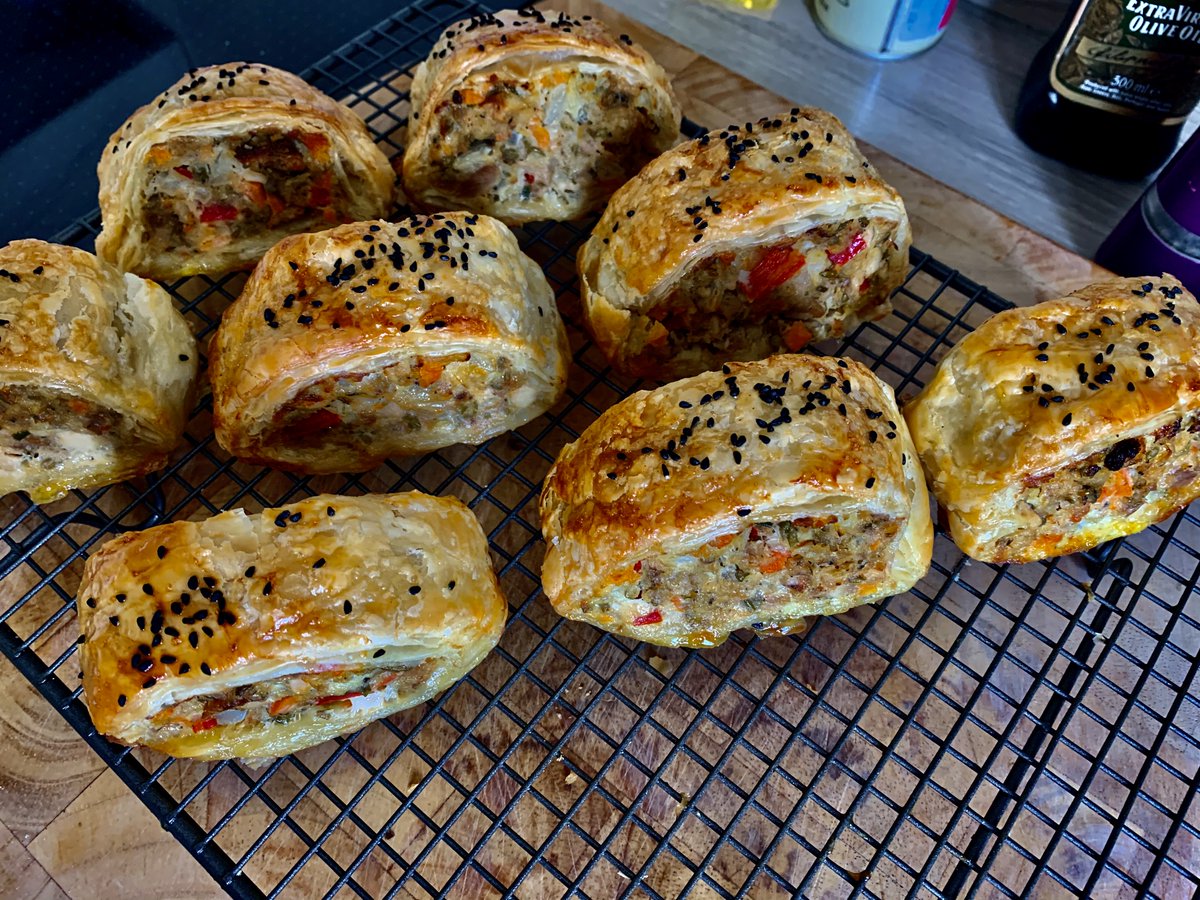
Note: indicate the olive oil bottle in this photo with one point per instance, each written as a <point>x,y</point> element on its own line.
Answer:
<point>1112,88</point>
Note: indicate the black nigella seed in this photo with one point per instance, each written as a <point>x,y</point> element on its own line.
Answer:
<point>193,583</point>
<point>1060,328</point>
<point>329,510</point>
<point>205,669</point>
<point>171,631</point>
<point>870,482</point>
<point>1042,357</point>
<point>1066,419</point>
<point>141,623</point>
<point>250,572</point>
<point>347,607</point>
<point>194,639</point>
<point>225,617</point>
<point>114,620</point>
<point>377,653</point>
<point>148,589</point>
<point>294,517</point>
<point>156,621</point>
<point>184,668</point>
<point>872,436</point>
<point>1043,402</point>
<point>319,563</point>
<point>1129,387</point>
<point>120,598</point>
<point>162,551</point>
<point>1043,345</point>
<point>167,659</point>
<point>177,608</point>
<point>150,682</point>
<point>91,602</point>
<point>744,511</point>
<point>183,357</point>
<point>121,701</point>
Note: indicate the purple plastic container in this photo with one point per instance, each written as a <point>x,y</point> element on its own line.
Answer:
<point>1161,232</point>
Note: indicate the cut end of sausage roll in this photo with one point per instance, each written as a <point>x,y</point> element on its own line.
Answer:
<point>381,339</point>
<point>224,163</point>
<point>1053,428</point>
<point>746,498</point>
<point>749,241</point>
<point>96,372</point>
<point>255,635</point>
<point>534,115</point>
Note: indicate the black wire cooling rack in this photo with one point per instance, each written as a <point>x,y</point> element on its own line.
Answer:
<point>997,731</point>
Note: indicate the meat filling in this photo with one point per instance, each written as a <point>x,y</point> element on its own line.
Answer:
<point>579,135</point>
<point>750,303</point>
<point>430,393</point>
<point>760,569</point>
<point>281,700</point>
<point>205,194</point>
<point>43,426</point>
<point>1120,479</point>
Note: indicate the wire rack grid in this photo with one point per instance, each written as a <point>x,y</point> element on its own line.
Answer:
<point>995,732</point>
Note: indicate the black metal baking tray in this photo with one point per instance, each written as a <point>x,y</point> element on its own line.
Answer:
<point>997,731</point>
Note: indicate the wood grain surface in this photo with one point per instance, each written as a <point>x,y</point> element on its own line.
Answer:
<point>70,828</point>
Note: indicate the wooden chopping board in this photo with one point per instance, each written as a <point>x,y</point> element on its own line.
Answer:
<point>69,827</point>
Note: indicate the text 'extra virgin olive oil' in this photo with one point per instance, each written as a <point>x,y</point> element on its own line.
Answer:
<point>1111,89</point>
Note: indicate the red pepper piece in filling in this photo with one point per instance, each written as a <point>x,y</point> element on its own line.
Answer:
<point>326,701</point>
<point>857,244</point>
<point>775,267</point>
<point>320,420</point>
<point>651,618</point>
<point>205,724</point>
<point>185,172</point>
<point>218,212</point>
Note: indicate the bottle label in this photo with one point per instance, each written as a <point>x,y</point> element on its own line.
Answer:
<point>1132,57</point>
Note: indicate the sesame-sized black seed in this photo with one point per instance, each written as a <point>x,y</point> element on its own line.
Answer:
<point>1042,357</point>
<point>872,436</point>
<point>744,511</point>
<point>225,617</point>
<point>150,682</point>
<point>870,482</point>
<point>683,404</point>
<point>1149,372</point>
<point>114,620</point>
<point>148,589</point>
<point>1043,345</point>
<point>120,598</point>
<point>121,700</point>
<point>304,319</point>
<point>208,632</point>
<point>378,653</point>
<point>204,666</point>
<point>1043,402</point>
<point>91,602</point>
<point>250,572</point>
<point>1060,328</point>
<point>194,640</point>
<point>347,607</point>
<point>281,519</point>
<point>1066,419</point>
<point>156,621</point>
<point>167,659</point>
<point>171,631</point>
<point>177,608</point>
<point>1106,320</point>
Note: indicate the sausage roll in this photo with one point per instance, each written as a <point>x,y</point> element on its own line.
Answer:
<point>227,161</point>
<point>745,498</point>
<point>96,372</point>
<point>742,243</point>
<point>533,115</point>
<point>377,339</point>
<point>255,635</point>
<point>1055,427</point>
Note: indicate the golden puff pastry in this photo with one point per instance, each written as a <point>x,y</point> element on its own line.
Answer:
<point>255,635</point>
<point>96,372</point>
<point>745,498</point>
<point>224,163</point>
<point>1055,427</point>
<point>379,339</point>
<point>533,115</point>
<point>745,242</point>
